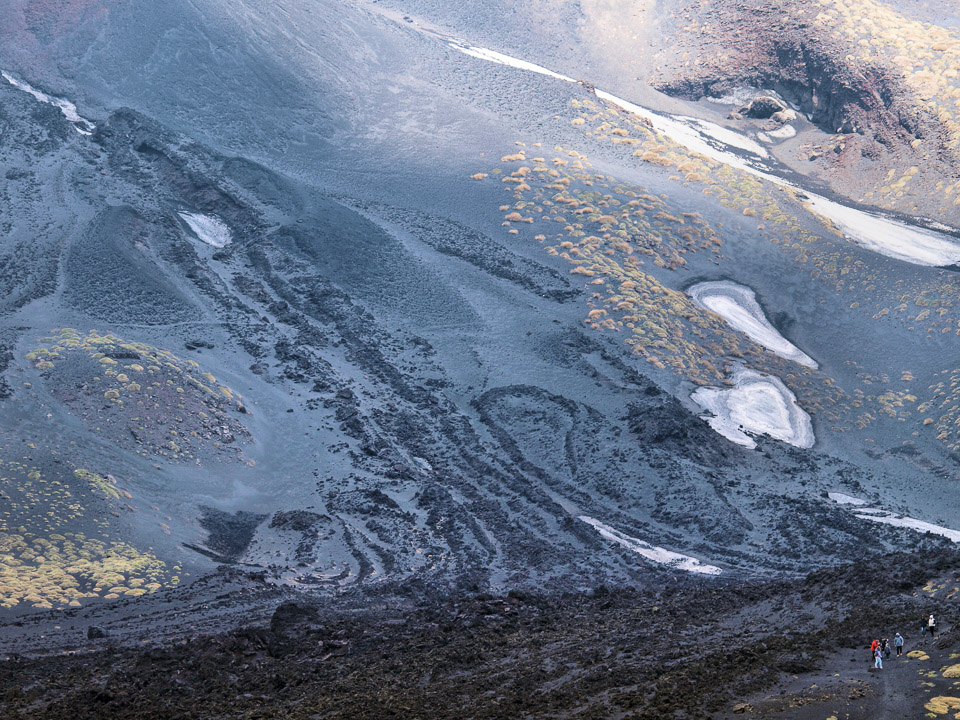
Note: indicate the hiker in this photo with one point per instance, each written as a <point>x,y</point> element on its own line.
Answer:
<point>923,624</point>
<point>885,646</point>
<point>932,626</point>
<point>874,645</point>
<point>898,644</point>
<point>878,661</point>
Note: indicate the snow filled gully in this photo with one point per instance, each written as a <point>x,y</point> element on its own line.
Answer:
<point>69,110</point>
<point>653,553</point>
<point>891,238</point>
<point>885,517</point>
<point>738,306</point>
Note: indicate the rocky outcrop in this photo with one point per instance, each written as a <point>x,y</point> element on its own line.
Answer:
<point>881,105</point>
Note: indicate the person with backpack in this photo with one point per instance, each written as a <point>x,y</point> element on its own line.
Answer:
<point>898,644</point>
<point>885,647</point>
<point>932,626</point>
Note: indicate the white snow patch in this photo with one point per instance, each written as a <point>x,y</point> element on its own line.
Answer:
<point>844,499</point>
<point>886,517</point>
<point>888,237</point>
<point>691,136</point>
<point>652,552</point>
<point>726,135</point>
<point>757,404</point>
<point>913,524</point>
<point>783,133</point>
<point>692,133</point>
<point>501,59</point>
<point>211,230</point>
<point>741,96</point>
<point>737,304</point>
<point>69,110</point>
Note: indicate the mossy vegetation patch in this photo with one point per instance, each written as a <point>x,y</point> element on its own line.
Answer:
<point>64,569</point>
<point>58,546</point>
<point>141,396</point>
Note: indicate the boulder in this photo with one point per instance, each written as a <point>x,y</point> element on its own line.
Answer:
<point>95,632</point>
<point>784,116</point>
<point>763,107</point>
<point>847,127</point>
<point>293,618</point>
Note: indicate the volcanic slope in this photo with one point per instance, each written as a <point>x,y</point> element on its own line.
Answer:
<point>379,308</point>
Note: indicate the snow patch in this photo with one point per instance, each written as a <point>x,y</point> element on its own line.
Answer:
<point>737,304</point>
<point>844,499</point>
<point>887,237</point>
<point>885,517</point>
<point>725,135</point>
<point>913,524</point>
<point>690,132</point>
<point>741,96</point>
<point>756,404</point>
<point>695,135</point>
<point>652,552</point>
<point>211,230</point>
<point>700,136</point>
<point>501,59</point>
<point>784,133</point>
<point>69,110</point>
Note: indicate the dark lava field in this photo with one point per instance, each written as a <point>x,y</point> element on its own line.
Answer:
<point>404,359</point>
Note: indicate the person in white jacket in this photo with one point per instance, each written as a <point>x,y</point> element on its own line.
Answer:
<point>932,626</point>
<point>898,644</point>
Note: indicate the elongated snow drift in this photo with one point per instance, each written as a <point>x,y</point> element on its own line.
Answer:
<point>892,238</point>
<point>652,552</point>
<point>737,304</point>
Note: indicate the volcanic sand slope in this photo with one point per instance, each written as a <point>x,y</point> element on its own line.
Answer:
<point>360,313</point>
<point>451,322</point>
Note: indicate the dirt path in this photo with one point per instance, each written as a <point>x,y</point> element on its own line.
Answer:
<point>848,687</point>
